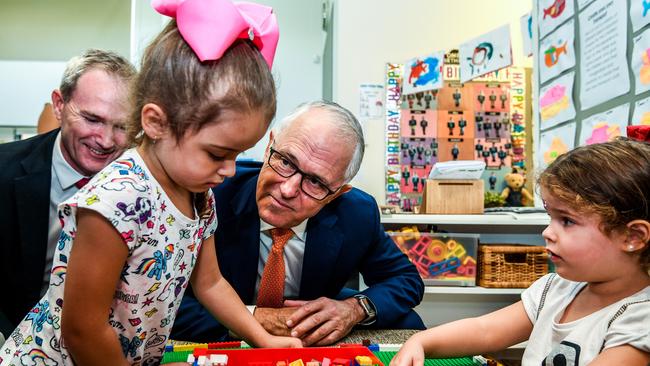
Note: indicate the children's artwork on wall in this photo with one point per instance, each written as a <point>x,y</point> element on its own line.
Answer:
<point>495,153</point>
<point>604,127</point>
<point>418,152</point>
<point>371,101</point>
<point>554,143</point>
<point>421,101</point>
<point>552,13</point>
<point>419,123</point>
<point>526,26</point>
<point>423,73</point>
<point>639,13</point>
<point>455,96</point>
<point>414,178</point>
<point>450,149</point>
<point>641,112</point>
<point>432,126</point>
<point>455,124</point>
<point>491,97</point>
<point>556,102</point>
<point>583,3</point>
<point>557,52</point>
<point>603,47</point>
<point>489,52</point>
<point>640,62</point>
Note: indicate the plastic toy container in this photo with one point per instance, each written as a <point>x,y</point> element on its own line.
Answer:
<point>441,259</point>
<point>270,356</point>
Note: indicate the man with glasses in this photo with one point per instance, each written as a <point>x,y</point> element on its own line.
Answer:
<point>37,174</point>
<point>326,231</point>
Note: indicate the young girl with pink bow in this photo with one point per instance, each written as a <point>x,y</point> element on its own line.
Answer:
<point>143,227</point>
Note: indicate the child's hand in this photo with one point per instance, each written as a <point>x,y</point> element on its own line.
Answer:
<point>281,342</point>
<point>411,354</point>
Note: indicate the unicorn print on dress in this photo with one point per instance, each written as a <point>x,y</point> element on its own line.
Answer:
<point>157,265</point>
<point>140,211</point>
<point>39,315</point>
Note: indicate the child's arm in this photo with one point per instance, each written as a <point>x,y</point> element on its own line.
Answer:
<point>621,355</point>
<point>94,267</point>
<point>216,295</point>
<point>491,332</point>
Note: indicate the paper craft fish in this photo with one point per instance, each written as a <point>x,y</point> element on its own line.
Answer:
<point>552,54</point>
<point>555,10</point>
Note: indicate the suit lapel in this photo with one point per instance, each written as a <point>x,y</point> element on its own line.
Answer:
<point>32,202</point>
<point>324,241</point>
<point>240,250</point>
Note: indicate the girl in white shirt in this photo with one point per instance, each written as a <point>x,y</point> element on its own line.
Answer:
<point>596,309</point>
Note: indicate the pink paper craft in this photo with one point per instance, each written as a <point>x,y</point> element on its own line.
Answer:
<point>552,95</point>
<point>211,26</point>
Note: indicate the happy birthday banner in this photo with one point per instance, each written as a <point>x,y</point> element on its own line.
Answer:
<point>489,52</point>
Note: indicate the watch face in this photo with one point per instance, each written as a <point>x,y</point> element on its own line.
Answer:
<point>366,305</point>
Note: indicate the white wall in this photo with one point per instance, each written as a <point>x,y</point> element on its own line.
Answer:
<point>43,30</point>
<point>370,33</point>
<point>298,65</point>
<point>38,37</point>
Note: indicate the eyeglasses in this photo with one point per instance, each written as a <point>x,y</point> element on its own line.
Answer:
<point>309,184</point>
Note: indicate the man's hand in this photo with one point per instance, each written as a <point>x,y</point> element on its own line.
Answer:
<point>323,321</point>
<point>275,320</point>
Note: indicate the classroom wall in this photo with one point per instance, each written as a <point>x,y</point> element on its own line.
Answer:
<point>38,37</point>
<point>46,30</point>
<point>370,33</point>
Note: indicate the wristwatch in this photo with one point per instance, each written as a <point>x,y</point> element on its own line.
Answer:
<point>368,307</point>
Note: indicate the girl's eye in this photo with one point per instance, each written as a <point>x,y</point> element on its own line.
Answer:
<point>567,221</point>
<point>217,157</point>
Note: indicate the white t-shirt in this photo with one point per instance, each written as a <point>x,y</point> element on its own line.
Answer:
<point>578,342</point>
<point>163,247</point>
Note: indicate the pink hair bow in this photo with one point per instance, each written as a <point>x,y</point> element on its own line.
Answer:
<point>211,26</point>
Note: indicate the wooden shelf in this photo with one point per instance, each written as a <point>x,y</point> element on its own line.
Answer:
<point>497,218</point>
<point>471,290</point>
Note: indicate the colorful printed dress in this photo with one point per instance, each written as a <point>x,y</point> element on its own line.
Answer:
<point>163,247</point>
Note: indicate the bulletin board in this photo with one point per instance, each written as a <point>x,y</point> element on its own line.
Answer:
<point>483,119</point>
<point>592,71</point>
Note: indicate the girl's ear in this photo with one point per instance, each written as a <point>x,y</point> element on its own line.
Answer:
<point>638,235</point>
<point>154,121</point>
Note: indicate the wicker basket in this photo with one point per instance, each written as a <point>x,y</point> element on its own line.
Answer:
<point>511,266</point>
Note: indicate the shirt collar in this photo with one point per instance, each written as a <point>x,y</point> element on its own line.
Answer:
<point>66,174</point>
<point>300,230</point>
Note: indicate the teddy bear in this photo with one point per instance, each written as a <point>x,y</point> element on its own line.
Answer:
<point>515,194</point>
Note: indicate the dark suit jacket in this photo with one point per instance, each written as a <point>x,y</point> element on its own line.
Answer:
<point>25,174</point>
<point>343,239</point>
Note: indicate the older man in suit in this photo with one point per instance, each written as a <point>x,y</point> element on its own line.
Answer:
<point>38,173</point>
<point>292,231</point>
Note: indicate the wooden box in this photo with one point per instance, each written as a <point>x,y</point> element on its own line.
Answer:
<point>453,197</point>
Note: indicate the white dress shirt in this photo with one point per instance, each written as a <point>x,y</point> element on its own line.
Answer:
<point>61,188</point>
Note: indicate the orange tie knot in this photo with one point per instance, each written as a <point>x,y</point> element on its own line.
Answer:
<point>280,237</point>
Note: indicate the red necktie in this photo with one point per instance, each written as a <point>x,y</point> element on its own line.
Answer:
<point>271,291</point>
<point>81,182</point>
